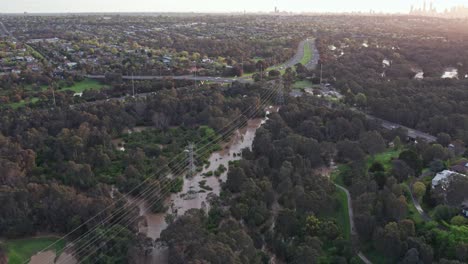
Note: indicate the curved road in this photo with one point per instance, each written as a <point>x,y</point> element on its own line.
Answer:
<point>418,207</point>
<point>290,63</point>
<point>300,54</point>
<point>293,61</point>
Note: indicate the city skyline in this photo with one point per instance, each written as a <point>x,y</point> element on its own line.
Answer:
<point>427,8</point>
<point>297,6</point>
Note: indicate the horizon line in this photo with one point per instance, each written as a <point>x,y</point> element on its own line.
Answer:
<point>204,12</point>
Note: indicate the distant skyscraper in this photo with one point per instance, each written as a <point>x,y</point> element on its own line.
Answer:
<point>431,10</point>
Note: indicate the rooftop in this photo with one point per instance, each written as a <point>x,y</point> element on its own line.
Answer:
<point>444,177</point>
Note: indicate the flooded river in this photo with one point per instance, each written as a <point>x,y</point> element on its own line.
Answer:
<point>50,257</point>
<point>192,194</point>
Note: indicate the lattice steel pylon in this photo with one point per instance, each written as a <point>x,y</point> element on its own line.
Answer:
<point>192,169</point>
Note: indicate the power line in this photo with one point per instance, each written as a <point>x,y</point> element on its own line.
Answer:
<point>191,160</point>
<point>280,94</point>
<point>160,197</point>
<point>133,219</point>
<point>143,193</point>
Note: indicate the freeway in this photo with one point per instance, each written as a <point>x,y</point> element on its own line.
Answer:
<point>412,133</point>
<point>300,54</point>
<point>312,64</point>
<point>4,29</point>
<point>290,63</point>
<point>182,77</point>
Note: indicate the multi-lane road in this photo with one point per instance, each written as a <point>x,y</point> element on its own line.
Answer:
<point>4,29</point>
<point>181,77</point>
<point>290,63</point>
<point>412,133</point>
<point>300,53</point>
<point>312,64</point>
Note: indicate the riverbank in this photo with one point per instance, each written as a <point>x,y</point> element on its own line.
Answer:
<point>20,251</point>
<point>197,190</point>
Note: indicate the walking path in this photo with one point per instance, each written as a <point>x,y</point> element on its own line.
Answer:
<point>351,222</point>
<point>418,207</point>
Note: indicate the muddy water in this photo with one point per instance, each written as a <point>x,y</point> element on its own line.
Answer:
<point>49,257</point>
<point>46,257</point>
<point>195,196</point>
<point>192,195</point>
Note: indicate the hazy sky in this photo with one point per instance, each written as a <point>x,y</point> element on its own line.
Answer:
<point>19,6</point>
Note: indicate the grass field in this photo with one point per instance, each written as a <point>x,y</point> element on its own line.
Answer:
<point>384,158</point>
<point>302,84</point>
<point>341,215</point>
<point>78,87</point>
<point>21,250</point>
<point>24,102</point>
<point>87,84</point>
<point>307,55</point>
<point>336,175</point>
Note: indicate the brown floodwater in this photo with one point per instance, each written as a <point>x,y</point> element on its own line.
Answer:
<point>192,195</point>
<point>49,257</point>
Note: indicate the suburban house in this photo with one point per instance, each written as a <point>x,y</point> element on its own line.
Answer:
<point>465,208</point>
<point>444,178</point>
<point>461,167</point>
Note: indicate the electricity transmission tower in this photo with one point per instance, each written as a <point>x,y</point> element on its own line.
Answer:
<point>192,169</point>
